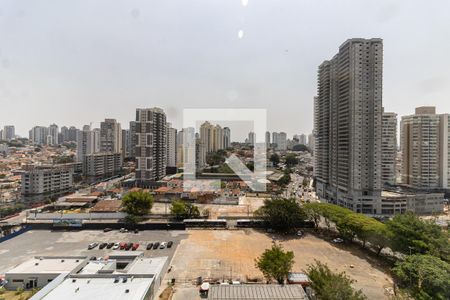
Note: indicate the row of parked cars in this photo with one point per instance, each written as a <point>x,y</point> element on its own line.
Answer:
<point>130,246</point>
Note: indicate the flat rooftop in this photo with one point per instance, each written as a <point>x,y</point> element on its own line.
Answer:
<point>48,265</point>
<point>147,266</point>
<point>101,288</point>
<point>257,291</point>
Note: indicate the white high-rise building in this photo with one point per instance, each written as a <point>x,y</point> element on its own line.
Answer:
<point>85,143</point>
<point>171,146</point>
<point>302,139</point>
<point>9,133</point>
<point>425,149</point>
<point>251,138</point>
<point>150,145</point>
<point>52,138</point>
<point>110,136</point>
<point>38,135</point>
<point>389,148</point>
<point>348,126</point>
<point>97,140</point>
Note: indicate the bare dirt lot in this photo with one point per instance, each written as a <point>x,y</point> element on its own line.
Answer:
<point>222,254</point>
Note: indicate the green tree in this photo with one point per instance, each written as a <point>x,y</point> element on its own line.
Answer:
<point>332,286</point>
<point>282,215</point>
<point>275,263</point>
<point>291,159</point>
<point>275,159</point>
<point>409,232</point>
<point>137,203</point>
<point>184,210</point>
<point>313,212</point>
<point>426,276</point>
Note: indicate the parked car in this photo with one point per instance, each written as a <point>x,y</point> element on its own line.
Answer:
<point>338,240</point>
<point>122,245</point>
<point>149,246</point>
<point>116,246</point>
<point>110,245</point>
<point>107,229</point>
<point>122,230</point>
<point>163,245</point>
<point>92,246</point>
<point>155,245</point>
<point>102,245</point>
<point>135,246</point>
<point>128,246</point>
<point>169,244</point>
<point>136,230</point>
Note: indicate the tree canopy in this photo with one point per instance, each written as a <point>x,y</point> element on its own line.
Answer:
<point>282,215</point>
<point>332,286</point>
<point>350,224</point>
<point>275,159</point>
<point>291,159</point>
<point>411,234</point>
<point>426,276</point>
<point>137,203</point>
<point>184,210</point>
<point>275,263</point>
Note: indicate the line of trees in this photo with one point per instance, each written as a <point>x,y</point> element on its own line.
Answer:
<point>425,246</point>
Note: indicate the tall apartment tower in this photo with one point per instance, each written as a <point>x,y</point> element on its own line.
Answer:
<point>267,139</point>
<point>53,137</point>
<point>132,139</point>
<point>251,138</point>
<point>348,126</point>
<point>38,135</point>
<point>110,136</point>
<point>425,149</point>
<point>9,133</point>
<point>171,146</point>
<point>226,137</point>
<point>85,143</point>
<point>150,145</point>
<point>389,148</point>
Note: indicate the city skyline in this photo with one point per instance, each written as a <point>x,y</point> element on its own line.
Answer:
<point>82,73</point>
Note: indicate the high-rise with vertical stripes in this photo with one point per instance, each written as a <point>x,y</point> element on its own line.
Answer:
<point>348,126</point>
<point>150,145</point>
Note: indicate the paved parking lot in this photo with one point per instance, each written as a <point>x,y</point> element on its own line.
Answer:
<point>54,243</point>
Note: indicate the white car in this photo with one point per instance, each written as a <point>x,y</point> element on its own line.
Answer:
<point>338,240</point>
<point>163,245</point>
<point>116,246</point>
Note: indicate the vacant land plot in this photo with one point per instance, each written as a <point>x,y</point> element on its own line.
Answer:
<point>246,207</point>
<point>222,255</point>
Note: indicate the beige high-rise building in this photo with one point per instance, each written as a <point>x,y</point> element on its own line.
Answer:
<point>425,151</point>
<point>389,148</point>
<point>212,138</point>
<point>348,126</point>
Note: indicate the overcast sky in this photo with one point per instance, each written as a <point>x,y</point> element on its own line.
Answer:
<point>76,62</point>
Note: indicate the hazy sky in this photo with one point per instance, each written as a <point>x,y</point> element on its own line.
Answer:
<point>76,62</point>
